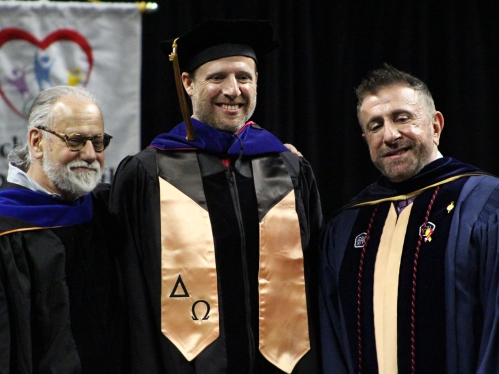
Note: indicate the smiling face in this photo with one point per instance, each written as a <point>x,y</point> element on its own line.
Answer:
<point>401,134</point>
<point>223,92</point>
<point>59,170</point>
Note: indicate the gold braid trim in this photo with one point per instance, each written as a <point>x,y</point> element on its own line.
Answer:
<point>414,193</point>
<point>26,229</point>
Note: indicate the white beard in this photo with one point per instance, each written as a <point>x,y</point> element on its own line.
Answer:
<point>75,184</point>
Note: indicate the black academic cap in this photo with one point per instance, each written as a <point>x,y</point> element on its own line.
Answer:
<point>214,38</point>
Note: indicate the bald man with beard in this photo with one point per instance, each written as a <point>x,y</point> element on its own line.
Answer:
<point>60,299</point>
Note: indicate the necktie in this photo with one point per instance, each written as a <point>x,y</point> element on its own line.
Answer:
<point>400,205</point>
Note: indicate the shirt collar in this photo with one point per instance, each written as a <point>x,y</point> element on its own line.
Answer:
<point>18,176</point>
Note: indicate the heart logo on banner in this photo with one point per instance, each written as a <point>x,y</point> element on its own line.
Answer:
<point>42,64</point>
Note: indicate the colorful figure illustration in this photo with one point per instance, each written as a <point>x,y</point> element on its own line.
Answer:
<point>18,79</point>
<point>43,64</point>
<point>44,68</point>
<point>75,76</point>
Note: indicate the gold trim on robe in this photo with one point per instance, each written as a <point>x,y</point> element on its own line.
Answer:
<point>27,229</point>
<point>189,294</point>
<point>386,283</point>
<point>414,193</point>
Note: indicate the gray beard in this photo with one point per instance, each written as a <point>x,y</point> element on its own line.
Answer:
<point>67,180</point>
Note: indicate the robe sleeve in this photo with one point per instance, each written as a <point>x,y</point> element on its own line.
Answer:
<point>310,239</point>
<point>134,204</point>
<point>4,317</point>
<point>485,244</point>
<point>133,189</point>
<point>471,280</point>
<point>34,305</point>
<point>311,220</point>
<point>335,352</point>
<point>312,204</point>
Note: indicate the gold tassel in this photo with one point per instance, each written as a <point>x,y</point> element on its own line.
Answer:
<point>180,92</point>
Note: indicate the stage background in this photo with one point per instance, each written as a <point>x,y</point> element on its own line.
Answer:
<point>306,88</point>
<point>98,46</point>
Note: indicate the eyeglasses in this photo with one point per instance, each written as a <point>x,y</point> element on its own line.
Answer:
<point>76,142</point>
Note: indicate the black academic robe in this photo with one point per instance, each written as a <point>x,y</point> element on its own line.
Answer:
<point>231,199</point>
<point>61,301</point>
<point>455,285</point>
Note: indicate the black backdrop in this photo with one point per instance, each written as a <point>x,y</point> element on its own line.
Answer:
<point>306,88</point>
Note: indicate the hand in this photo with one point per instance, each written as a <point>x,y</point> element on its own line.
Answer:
<point>293,149</point>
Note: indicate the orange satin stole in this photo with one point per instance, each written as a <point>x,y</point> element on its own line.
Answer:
<point>284,335</point>
<point>189,298</point>
<point>189,295</point>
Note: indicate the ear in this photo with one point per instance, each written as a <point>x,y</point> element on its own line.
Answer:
<point>438,126</point>
<point>363,132</point>
<point>188,82</point>
<point>36,143</point>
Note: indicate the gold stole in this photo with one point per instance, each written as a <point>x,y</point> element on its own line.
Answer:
<point>284,335</point>
<point>386,282</point>
<point>189,297</point>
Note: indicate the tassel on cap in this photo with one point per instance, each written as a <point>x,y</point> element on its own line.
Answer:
<point>180,93</point>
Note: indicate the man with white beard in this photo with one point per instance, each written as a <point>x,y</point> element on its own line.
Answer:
<point>60,299</point>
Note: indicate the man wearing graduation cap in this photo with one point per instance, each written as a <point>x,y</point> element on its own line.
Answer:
<point>410,275</point>
<point>220,222</point>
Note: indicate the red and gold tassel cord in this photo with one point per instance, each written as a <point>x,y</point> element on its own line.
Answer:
<point>180,92</point>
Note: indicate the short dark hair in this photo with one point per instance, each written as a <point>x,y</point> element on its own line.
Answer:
<point>387,76</point>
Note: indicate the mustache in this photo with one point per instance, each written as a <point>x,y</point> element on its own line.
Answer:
<point>83,164</point>
<point>391,149</point>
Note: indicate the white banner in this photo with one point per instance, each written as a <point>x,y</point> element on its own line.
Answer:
<point>95,45</point>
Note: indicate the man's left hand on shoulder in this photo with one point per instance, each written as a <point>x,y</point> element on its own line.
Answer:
<point>293,149</point>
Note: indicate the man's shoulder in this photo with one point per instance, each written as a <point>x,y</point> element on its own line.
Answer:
<point>479,197</point>
<point>343,215</point>
<point>8,185</point>
<point>479,184</point>
<point>489,179</point>
<point>144,155</point>
<point>144,159</point>
<point>292,163</point>
<point>149,155</point>
<point>10,225</point>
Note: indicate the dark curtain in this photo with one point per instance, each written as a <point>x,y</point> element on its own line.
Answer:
<point>306,88</point>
